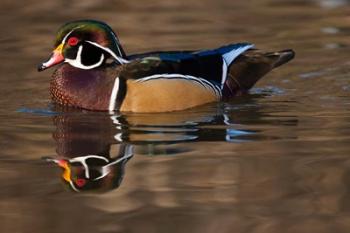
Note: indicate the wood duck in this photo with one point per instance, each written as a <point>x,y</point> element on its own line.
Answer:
<point>94,172</point>
<point>84,152</point>
<point>96,74</point>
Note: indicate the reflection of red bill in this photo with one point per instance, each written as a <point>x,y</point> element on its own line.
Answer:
<point>62,163</point>
<point>56,58</point>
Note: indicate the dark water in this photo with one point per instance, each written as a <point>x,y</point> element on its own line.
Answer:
<point>277,160</point>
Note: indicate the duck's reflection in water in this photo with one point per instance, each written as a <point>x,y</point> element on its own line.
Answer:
<point>93,148</point>
<point>85,154</point>
<point>94,172</point>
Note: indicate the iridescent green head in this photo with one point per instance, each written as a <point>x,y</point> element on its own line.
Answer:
<point>85,44</point>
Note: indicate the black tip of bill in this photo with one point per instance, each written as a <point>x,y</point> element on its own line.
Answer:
<point>41,67</point>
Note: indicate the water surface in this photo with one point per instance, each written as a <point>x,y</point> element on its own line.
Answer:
<point>274,161</point>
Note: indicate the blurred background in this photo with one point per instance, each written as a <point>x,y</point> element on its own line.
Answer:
<point>274,161</point>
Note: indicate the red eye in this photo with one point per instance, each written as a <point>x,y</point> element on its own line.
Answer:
<point>80,182</point>
<point>73,41</point>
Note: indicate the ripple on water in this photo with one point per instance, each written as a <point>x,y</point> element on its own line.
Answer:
<point>276,160</point>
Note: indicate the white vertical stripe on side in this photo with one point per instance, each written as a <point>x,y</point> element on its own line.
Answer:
<point>224,73</point>
<point>113,98</point>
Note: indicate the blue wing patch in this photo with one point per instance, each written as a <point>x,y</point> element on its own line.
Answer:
<point>228,52</point>
<point>176,56</point>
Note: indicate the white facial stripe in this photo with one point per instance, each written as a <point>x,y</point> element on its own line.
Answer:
<point>117,40</point>
<point>129,152</point>
<point>119,50</point>
<point>105,170</point>
<point>114,93</point>
<point>66,36</point>
<point>83,159</point>
<point>77,61</point>
<point>73,187</point>
<point>119,59</point>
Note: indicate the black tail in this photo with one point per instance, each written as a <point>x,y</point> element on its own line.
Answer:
<point>251,66</point>
<point>281,57</point>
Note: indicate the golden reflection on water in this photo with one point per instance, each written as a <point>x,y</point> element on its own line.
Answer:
<point>274,162</point>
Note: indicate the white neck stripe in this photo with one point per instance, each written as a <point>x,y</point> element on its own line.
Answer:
<point>129,152</point>
<point>114,93</point>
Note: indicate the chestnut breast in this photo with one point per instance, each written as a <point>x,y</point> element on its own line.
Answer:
<point>88,89</point>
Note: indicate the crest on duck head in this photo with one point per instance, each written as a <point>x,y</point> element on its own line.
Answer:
<point>85,44</point>
<point>90,30</point>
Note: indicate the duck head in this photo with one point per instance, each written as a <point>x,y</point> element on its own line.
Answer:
<point>94,172</point>
<point>85,44</point>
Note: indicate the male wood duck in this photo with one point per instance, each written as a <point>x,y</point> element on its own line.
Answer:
<point>96,74</point>
<point>94,172</point>
<point>91,157</point>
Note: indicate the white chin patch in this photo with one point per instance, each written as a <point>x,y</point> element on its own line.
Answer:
<point>77,61</point>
